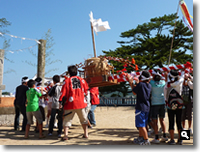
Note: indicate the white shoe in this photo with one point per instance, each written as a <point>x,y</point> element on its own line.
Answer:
<point>46,126</point>
<point>163,139</point>
<point>184,129</point>
<point>145,143</point>
<point>55,125</point>
<point>155,141</point>
<point>191,132</point>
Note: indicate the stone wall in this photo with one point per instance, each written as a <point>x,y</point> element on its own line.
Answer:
<point>7,111</point>
<point>7,105</point>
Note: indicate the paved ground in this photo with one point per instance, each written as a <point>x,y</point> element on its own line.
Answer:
<point>115,126</point>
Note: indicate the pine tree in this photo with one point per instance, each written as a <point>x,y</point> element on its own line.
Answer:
<point>149,44</point>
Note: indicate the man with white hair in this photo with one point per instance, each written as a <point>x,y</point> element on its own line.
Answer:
<point>20,104</point>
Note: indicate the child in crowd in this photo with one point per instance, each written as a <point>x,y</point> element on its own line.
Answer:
<point>94,94</point>
<point>42,101</point>
<point>142,89</point>
<point>33,109</point>
<point>73,95</point>
<point>49,86</point>
<point>158,105</point>
<point>55,108</point>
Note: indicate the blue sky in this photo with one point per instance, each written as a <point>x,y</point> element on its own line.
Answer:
<point>70,26</point>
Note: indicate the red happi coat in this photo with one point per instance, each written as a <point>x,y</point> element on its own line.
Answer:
<point>74,90</point>
<point>94,92</point>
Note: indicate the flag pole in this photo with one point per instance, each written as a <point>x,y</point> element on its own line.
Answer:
<point>173,36</point>
<point>93,41</point>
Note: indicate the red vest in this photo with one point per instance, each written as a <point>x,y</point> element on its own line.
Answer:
<point>94,92</point>
<point>74,90</point>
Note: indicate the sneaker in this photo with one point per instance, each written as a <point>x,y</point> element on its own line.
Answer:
<point>150,132</point>
<point>184,129</point>
<point>191,132</point>
<point>59,135</point>
<point>180,142</point>
<point>164,139</point>
<point>93,125</point>
<point>145,143</point>
<point>138,140</point>
<point>155,141</point>
<point>171,142</point>
<point>160,130</point>
<point>46,126</point>
<point>17,129</point>
<point>55,125</point>
<point>50,134</point>
<point>90,126</point>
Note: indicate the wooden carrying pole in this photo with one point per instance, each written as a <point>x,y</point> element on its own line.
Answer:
<point>93,41</point>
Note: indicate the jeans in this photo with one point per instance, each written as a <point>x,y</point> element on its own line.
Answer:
<point>52,119</point>
<point>20,109</point>
<point>91,116</point>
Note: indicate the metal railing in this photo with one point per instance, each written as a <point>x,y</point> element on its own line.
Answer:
<point>117,101</point>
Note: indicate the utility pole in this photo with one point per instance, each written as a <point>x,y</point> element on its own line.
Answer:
<point>41,60</point>
<point>2,87</point>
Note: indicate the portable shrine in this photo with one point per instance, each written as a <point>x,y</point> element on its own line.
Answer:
<point>97,71</point>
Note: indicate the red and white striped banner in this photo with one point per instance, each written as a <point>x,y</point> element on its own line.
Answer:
<point>123,76</point>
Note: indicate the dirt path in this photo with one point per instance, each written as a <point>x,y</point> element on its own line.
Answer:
<point>115,126</point>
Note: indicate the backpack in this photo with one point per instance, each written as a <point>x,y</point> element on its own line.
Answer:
<point>186,95</point>
<point>174,100</point>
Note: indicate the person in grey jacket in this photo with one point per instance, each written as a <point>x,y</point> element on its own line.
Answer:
<point>55,94</point>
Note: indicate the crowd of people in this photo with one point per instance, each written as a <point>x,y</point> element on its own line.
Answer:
<point>63,100</point>
<point>155,95</point>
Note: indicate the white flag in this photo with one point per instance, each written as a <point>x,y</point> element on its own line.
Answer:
<point>98,25</point>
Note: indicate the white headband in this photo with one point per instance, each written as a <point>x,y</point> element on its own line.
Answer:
<point>38,83</point>
<point>145,78</point>
<point>172,75</point>
<point>25,80</point>
<point>156,73</point>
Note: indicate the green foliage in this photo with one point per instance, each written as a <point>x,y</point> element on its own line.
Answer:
<point>3,24</point>
<point>149,44</point>
<point>49,52</point>
<point>6,43</point>
<point>5,93</point>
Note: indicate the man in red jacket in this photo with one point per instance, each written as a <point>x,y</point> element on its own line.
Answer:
<point>94,92</point>
<point>73,93</point>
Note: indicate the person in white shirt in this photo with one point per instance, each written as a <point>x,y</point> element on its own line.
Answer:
<point>176,82</point>
<point>188,98</point>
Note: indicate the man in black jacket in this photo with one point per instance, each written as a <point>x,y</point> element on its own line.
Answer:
<point>20,104</point>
